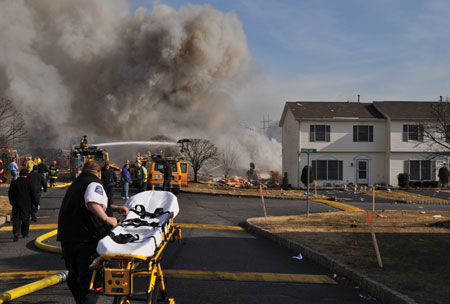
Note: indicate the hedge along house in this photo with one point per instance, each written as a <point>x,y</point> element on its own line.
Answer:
<point>362,143</point>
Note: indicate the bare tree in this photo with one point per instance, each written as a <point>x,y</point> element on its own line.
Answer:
<point>228,159</point>
<point>12,124</point>
<point>437,132</point>
<point>198,152</point>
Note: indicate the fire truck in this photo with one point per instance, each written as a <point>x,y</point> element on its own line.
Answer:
<point>7,155</point>
<point>78,157</point>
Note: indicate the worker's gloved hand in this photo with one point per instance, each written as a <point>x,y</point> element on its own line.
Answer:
<point>112,221</point>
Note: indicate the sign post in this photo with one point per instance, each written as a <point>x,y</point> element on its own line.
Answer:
<point>307,151</point>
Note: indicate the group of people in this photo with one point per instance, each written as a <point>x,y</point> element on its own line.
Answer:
<point>141,177</point>
<point>86,214</point>
<point>28,164</point>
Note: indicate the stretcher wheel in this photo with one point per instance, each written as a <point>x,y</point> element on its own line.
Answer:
<point>152,297</point>
<point>157,294</point>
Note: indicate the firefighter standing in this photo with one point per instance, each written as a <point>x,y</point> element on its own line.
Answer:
<point>29,164</point>
<point>53,172</point>
<point>141,177</point>
<point>83,143</point>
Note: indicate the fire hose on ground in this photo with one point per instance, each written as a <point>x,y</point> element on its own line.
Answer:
<point>41,284</point>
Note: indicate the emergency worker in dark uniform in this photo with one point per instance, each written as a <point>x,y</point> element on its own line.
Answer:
<point>167,176</point>
<point>109,180</point>
<point>82,222</point>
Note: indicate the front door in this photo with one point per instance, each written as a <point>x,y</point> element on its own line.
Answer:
<point>362,172</point>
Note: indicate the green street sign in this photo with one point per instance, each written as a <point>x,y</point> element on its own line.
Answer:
<point>308,150</point>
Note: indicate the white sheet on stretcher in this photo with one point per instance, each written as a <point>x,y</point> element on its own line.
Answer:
<point>145,246</point>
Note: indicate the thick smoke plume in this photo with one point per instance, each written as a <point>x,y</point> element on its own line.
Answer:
<point>85,66</point>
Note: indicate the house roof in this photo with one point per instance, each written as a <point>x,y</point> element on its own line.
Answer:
<point>332,110</point>
<point>406,110</point>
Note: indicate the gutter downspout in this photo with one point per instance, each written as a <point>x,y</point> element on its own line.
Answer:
<point>298,154</point>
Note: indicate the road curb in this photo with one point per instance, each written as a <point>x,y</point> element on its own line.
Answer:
<point>366,284</point>
<point>4,219</point>
<point>428,202</point>
<point>244,196</point>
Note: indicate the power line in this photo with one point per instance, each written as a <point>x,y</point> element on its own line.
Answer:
<point>266,123</point>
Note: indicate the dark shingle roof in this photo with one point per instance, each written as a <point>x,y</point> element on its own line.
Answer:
<point>409,110</point>
<point>329,110</point>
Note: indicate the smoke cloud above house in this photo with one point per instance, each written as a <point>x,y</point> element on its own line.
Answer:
<point>89,67</point>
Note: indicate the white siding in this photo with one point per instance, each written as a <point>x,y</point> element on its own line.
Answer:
<point>397,143</point>
<point>375,169</point>
<point>397,164</point>
<point>341,137</point>
<point>290,146</point>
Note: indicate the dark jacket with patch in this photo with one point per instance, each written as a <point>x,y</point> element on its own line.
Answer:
<point>75,222</point>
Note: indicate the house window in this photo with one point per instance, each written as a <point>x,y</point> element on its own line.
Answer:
<point>363,133</point>
<point>412,132</point>
<point>419,170</point>
<point>319,133</point>
<point>327,169</point>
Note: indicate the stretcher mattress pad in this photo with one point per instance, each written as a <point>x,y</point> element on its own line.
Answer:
<point>146,230</point>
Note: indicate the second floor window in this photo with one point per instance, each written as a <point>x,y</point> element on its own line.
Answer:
<point>363,133</point>
<point>319,133</point>
<point>412,132</point>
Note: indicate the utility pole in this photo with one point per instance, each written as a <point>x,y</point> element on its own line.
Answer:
<point>266,123</point>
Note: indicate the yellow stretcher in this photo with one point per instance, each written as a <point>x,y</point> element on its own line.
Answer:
<point>113,274</point>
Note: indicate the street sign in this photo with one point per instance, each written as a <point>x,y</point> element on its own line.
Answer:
<point>308,150</point>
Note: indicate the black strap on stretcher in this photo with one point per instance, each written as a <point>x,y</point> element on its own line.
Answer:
<point>124,238</point>
<point>139,222</point>
<point>129,238</point>
<point>140,210</point>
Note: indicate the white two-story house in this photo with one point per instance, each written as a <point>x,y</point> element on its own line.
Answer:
<point>362,143</point>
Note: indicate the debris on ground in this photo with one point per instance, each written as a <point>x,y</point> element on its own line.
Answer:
<point>298,257</point>
<point>235,181</point>
<point>443,224</point>
<point>366,297</point>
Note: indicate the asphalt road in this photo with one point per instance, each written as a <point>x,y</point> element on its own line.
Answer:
<point>209,250</point>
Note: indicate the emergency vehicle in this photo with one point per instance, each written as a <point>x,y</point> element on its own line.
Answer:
<point>78,157</point>
<point>156,173</point>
